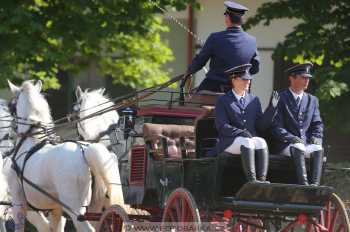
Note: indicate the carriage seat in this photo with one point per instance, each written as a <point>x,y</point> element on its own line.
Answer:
<point>169,140</point>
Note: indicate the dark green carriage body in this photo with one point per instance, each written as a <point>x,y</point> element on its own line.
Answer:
<point>214,182</point>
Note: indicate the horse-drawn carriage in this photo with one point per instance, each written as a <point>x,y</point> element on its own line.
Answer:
<point>168,176</point>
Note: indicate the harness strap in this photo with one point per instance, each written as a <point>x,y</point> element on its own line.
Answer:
<point>20,172</point>
<point>29,154</point>
<point>5,203</point>
<point>100,135</point>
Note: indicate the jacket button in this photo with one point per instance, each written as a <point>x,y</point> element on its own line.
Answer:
<point>244,120</point>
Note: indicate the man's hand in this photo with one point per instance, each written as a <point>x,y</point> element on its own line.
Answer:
<point>296,139</point>
<point>316,141</point>
<point>246,134</point>
<point>275,97</point>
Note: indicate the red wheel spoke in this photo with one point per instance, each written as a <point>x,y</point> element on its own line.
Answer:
<point>248,228</point>
<point>181,208</point>
<point>112,219</point>
<point>178,209</point>
<point>341,228</point>
<point>171,215</point>
<point>328,214</point>
<point>237,227</point>
<point>322,221</point>
<point>334,219</point>
<point>183,211</point>
<point>309,227</point>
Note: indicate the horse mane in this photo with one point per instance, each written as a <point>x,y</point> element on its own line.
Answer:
<point>6,129</point>
<point>35,107</point>
<point>5,119</point>
<point>94,102</point>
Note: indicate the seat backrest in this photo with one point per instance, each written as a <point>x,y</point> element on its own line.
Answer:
<point>176,141</point>
<point>203,97</point>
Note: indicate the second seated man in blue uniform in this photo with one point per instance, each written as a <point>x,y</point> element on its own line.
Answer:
<point>297,128</point>
<point>238,116</point>
<point>226,49</point>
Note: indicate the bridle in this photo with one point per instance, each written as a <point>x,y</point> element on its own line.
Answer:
<point>12,106</point>
<point>75,115</point>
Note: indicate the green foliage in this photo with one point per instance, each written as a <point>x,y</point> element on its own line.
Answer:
<point>38,38</point>
<point>321,36</point>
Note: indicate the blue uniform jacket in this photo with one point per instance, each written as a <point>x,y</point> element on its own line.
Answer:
<point>304,122</point>
<point>226,49</point>
<point>231,119</point>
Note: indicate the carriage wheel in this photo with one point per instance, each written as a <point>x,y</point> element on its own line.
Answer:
<point>181,210</point>
<point>334,217</point>
<point>113,219</point>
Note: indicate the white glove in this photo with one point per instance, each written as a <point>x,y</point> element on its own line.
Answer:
<point>275,97</point>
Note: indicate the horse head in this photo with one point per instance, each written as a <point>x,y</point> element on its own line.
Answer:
<point>90,107</point>
<point>29,106</point>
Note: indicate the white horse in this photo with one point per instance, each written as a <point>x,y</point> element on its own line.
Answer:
<point>62,170</point>
<point>37,219</point>
<point>90,103</point>
<point>3,196</point>
<point>5,145</point>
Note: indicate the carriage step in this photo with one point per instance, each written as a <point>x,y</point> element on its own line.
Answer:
<point>285,193</point>
<point>268,207</point>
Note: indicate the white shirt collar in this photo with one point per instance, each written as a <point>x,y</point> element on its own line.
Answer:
<point>297,95</point>
<point>238,96</point>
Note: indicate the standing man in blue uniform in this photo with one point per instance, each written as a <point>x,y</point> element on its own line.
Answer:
<point>226,49</point>
<point>298,128</point>
<point>238,116</point>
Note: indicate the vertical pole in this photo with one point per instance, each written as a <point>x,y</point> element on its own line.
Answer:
<point>189,44</point>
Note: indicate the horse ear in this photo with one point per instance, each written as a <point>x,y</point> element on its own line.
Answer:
<point>38,85</point>
<point>14,89</point>
<point>102,91</point>
<point>78,92</point>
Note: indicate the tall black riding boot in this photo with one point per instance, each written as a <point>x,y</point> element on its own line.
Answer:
<point>317,162</point>
<point>299,162</point>
<point>248,163</point>
<point>262,164</point>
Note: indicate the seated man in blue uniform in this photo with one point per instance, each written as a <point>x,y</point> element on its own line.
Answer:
<point>237,117</point>
<point>226,49</point>
<point>298,129</point>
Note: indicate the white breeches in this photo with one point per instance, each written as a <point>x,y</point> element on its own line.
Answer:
<point>254,143</point>
<point>308,148</point>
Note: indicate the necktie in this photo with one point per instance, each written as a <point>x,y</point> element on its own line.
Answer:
<point>242,102</point>
<point>297,101</point>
